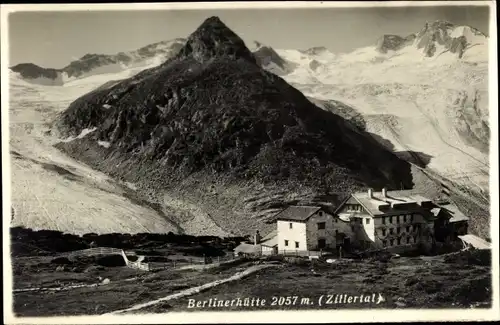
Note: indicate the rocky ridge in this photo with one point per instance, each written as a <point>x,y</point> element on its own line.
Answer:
<point>210,133</point>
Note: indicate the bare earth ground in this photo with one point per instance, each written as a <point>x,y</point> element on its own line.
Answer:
<point>459,280</point>
<point>426,282</point>
<point>127,287</point>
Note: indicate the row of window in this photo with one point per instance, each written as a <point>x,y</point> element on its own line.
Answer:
<point>400,241</point>
<point>296,243</point>
<point>354,208</point>
<point>398,219</point>
<point>391,219</point>
<point>322,225</point>
<point>398,229</point>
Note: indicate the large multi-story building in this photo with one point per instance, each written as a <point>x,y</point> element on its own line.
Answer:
<point>369,220</point>
<point>387,219</point>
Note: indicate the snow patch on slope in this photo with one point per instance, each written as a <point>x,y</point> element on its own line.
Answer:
<point>53,191</point>
<point>438,104</point>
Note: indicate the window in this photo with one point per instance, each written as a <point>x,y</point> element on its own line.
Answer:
<point>383,220</point>
<point>399,230</point>
<point>391,231</point>
<point>320,213</point>
<point>390,219</point>
<point>411,218</point>
<point>296,244</point>
<point>384,242</point>
<point>321,243</point>
<point>392,242</point>
<point>399,241</point>
<point>407,228</point>
<point>321,225</point>
<point>404,218</point>
<point>367,221</point>
<point>383,232</point>
<point>415,238</point>
<point>336,231</point>
<point>286,242</point>
<point>291,225</point>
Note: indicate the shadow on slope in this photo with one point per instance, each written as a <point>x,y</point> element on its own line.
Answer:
<point>54,168</point>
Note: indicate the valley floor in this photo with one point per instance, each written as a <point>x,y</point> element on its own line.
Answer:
<point>459,280</point>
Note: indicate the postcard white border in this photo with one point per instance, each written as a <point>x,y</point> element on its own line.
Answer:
<point>317,316</point>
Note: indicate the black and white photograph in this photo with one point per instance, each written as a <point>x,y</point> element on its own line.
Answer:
<point>226,161</point>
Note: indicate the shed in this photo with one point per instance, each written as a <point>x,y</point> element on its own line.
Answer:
<point>470,240</point>
<point>246,249</point>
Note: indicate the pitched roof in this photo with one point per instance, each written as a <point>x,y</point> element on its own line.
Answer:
<point>476,242</point>
<point>270,235</point>
<point>271,242</point>
<point>297,213</point>
<point>403,200</point>
<point>436,211</point>
<point>454,212</point>
<point>247,248</point>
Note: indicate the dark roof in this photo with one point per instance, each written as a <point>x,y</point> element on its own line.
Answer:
<point>452,210</point>
<point>297,213</point>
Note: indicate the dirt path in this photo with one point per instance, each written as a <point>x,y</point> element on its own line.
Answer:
<point>191,291</point>
<point>69,287</point>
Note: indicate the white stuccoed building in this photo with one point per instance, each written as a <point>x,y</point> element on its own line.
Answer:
<point>395,220</point>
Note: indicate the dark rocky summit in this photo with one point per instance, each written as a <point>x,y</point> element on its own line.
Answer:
<point>266,55</point>
<point>32,71</point>
<point>213,40</point>
<point>393,42</point>
<point>92,61</point>
<point>433,36</point>
<point>212,117</point>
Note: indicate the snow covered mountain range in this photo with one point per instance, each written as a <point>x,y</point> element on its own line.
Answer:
<point>425,94</point>
<point>95,64</point>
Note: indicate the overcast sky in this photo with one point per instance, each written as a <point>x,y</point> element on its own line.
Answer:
<point>53,39</point>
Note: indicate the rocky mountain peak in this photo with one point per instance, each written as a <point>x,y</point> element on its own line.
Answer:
<point>394,42</point>
<point>214,39</point>
<point>315,50</point>
<point>434,39</point>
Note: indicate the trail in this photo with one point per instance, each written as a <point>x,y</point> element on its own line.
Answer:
<point>191,291</point>
<point>75,286</point>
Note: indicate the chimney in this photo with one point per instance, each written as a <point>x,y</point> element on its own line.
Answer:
<point>257,238</point>
<point>370,193</point>
<point>384,192</point>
